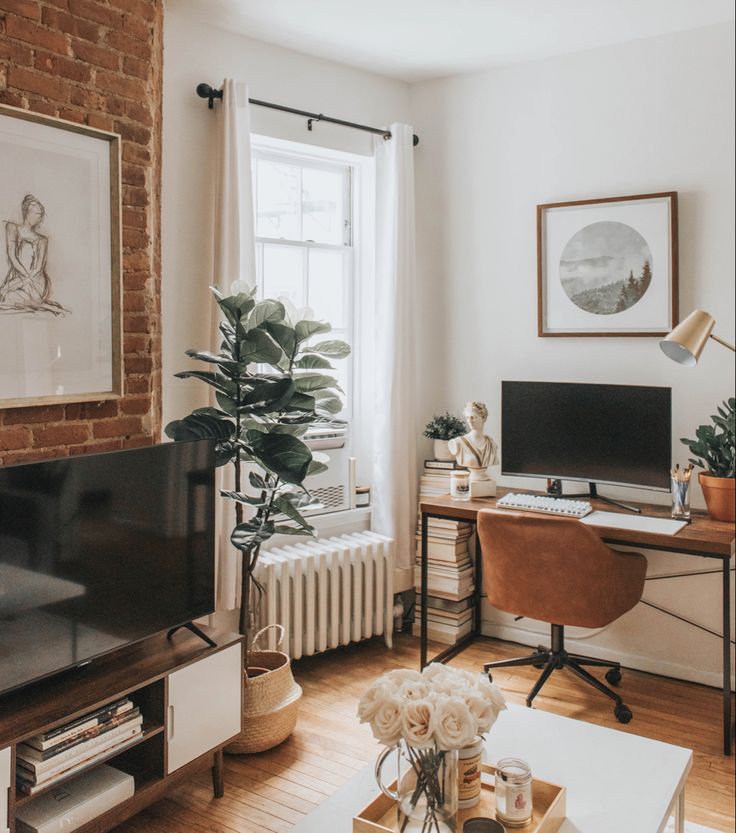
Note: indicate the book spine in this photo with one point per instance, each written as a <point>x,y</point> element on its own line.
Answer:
<point>100,714</point>
<point>93,732</point>
<point>64,733</point>
<point>71,756</point>
<point>27,787</point>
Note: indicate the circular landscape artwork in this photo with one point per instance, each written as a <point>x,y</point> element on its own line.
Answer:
<point>606,268</point>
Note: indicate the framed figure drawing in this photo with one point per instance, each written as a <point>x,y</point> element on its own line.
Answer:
<point>608,267</point>
<point>60,275</point>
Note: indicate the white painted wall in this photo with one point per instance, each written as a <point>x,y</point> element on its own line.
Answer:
<point>194,52</point>
<point>650,115</point>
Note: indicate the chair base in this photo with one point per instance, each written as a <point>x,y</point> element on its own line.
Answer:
<point>551,659</point>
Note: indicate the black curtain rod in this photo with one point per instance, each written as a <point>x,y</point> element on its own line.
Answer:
<point>210,93</point>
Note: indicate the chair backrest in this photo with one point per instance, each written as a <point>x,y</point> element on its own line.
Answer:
<point>555,569</point>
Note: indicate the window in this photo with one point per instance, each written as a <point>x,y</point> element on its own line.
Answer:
<point>305,237</point>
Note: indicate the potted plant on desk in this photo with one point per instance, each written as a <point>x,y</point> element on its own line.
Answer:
<point>713,448</point>
<point>442,428</point>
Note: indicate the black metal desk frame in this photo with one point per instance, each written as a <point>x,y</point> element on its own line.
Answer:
<point>453,650</point>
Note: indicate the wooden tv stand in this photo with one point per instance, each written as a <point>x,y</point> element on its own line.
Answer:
<point>189,693</point>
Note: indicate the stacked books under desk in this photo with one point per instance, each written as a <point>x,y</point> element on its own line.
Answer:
<point>52,756</point>
<point>450,569</point>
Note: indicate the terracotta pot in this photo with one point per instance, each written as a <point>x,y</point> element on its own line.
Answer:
<point>442,451</point>
<point>720,496</point>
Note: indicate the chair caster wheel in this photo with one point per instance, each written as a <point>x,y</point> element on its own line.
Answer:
<point>623,715</point>
<point>490,677</point>
<point>613,676</point>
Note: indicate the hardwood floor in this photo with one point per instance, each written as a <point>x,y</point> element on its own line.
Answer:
<point>269,793</point>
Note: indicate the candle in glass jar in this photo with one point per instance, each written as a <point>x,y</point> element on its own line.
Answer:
<point>513,792</point>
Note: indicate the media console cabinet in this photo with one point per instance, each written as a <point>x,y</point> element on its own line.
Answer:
<point>189,693</point>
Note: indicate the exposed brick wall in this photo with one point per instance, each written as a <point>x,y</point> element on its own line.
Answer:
<point>98,62</point>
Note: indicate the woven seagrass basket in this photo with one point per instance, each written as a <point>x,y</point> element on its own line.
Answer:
<point>270,699</point>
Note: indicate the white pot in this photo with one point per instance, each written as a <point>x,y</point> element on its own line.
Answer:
<point>442,450</point>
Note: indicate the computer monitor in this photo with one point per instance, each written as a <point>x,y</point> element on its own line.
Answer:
<point>616,434</point>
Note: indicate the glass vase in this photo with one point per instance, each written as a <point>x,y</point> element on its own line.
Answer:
<point>425,790</point>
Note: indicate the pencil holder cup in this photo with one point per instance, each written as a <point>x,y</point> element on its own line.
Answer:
<point>680,490</point>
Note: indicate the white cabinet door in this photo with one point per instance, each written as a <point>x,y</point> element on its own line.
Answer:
<point>204,705</point>
<point>5,784</point>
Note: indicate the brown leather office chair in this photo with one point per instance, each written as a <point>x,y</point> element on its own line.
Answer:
<point>558,570</point>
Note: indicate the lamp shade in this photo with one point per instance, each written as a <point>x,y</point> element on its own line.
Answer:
<point>686,342</point>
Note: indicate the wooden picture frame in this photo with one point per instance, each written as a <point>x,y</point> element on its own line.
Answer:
<point>61,283</point>
<point>608,267</point>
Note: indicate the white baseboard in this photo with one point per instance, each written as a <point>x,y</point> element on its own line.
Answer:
<point>526,636</point>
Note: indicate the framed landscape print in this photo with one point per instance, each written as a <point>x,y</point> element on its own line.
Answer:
<point>608,267</point>
<point>60,285</point>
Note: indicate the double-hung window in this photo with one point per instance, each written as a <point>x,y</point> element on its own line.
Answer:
<point>305,245</point>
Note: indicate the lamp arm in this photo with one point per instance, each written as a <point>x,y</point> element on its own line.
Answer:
<point>723,342</point>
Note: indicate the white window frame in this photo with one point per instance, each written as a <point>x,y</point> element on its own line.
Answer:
<point>357,248</point>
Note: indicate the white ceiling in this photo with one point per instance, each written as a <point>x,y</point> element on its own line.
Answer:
<point>419,39</point>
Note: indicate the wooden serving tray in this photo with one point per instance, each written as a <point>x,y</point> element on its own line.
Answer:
<point>381,816</point>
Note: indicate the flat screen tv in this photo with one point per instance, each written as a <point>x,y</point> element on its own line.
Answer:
<point>100,551</point>
<point>616,434</point>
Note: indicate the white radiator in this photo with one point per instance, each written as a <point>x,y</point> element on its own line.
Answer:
<point>328,592</point>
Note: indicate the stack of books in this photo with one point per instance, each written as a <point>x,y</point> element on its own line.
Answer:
<point>52,756</point>
<point>451,580</point>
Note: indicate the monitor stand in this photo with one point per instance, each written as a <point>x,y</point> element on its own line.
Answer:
<point>554,488</point>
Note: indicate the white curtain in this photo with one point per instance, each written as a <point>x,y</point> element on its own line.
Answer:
<point>234,262</point>
<point>394,427</point>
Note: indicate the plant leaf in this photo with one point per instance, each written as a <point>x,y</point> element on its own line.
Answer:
<point>306,329</point>
<point>282,454</point>
<point>314,381</point>
<point>258,346</point>
<point>311,361</point>
<point>283,505</point>
<point>315,467</point>
<point>334,349</point>
<point>241,497</point>
<point>263,311</point>
<point>283,335</point>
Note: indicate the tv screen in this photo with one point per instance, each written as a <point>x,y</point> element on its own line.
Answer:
<point>619,434</point>
<point>100,551</point>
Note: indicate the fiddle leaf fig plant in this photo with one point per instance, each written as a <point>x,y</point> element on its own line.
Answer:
<point>713,445</point>
<point>270,383</point>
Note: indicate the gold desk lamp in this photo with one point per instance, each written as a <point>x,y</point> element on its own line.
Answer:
<point>686,342</point>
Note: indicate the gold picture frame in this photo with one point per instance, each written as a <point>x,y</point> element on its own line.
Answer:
<point>608,267</point>
<point>61,283</point>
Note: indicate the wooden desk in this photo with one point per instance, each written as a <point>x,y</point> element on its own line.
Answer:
<point>703,538</point>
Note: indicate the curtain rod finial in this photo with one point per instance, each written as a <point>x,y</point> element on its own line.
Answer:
<point>208,92</point>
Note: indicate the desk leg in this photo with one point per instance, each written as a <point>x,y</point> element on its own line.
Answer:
<point>680,812</point>
<point>423,595</point>
<point>726,656</point>
<point>218,774</point>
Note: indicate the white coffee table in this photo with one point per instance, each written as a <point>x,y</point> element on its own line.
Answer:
<point>616,782</point>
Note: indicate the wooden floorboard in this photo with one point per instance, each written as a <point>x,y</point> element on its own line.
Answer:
<point>270,792</point>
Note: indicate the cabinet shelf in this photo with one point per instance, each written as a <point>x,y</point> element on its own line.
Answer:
<point>149,730</point>
<point>188,693</point>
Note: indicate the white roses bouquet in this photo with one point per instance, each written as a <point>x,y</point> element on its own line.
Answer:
<point>441,707</point>
<point>434,712</point>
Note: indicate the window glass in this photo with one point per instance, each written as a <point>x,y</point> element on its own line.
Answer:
<point>277,200</point>
<point>327,285</point>
<point>283,273</point>
<point>323,212</point>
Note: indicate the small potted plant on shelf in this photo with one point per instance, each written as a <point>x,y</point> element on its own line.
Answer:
<point>442,428</point>
<point>714,452</point>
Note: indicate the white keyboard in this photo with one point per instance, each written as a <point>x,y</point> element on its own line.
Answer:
<point>546,505</point>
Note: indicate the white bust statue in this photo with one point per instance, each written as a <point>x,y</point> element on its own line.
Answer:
<point>476,451</point>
